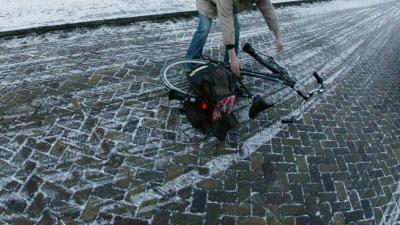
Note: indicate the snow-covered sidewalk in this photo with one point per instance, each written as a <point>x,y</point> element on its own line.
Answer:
<point>22,14</point>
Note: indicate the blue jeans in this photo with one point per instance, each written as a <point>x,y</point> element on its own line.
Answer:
<point>200,37</point>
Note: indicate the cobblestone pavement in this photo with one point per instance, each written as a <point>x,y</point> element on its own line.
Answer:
<point>88,136</point>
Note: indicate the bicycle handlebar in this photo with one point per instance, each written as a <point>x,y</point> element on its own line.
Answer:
<point>249,49</point>
<point>318,78</point>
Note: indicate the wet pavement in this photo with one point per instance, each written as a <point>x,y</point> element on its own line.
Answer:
<point>88,136</point>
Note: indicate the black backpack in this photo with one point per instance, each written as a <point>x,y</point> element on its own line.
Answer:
<point>217,94</point>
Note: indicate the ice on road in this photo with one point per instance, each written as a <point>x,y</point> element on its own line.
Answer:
<point>24,14</point>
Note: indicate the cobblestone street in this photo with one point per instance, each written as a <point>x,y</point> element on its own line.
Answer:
<point>88,136</point>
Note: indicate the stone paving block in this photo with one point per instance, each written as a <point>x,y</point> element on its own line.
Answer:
<point>37,206</point>
<point>353,216</point>
<point>288,153</point>
<point>15,204</point>
<point>147,175</point>
<point>340,206</point>
<point>199,201</point>
<point>108,191</point>
<point>225,220</point>
<point>32,185</point>
<point>67,211</point>
<point>249,176</point>
<point>125,209</point>
<point>27,169</point>
<point>299,178</point>
<point>294,210</point>
<point>230,183</point>
<point>388,192</point>
<point>257,161</point>
<point>328,168</point>
<point>222,196</point>
<point>185,219</point>
<point>317,135</point>
<point>277,198</point>
<point>213,213</point>
<point>13,186</point>
<point>304,220</point>
<point>251,221</point>
<point>289,221</point>
<point>91,210</point>
<point>378,188</point>
<point>236,209</point>
<point>81,196</point>
<point>285,167</point>
<point>339,219</point>
<point>313,188</point>
<point>291,142</point>
<point>186,159</point>
<point>342,166</point>
<point>301,164</point>
<point>56,191</point>
<point>20,220</point>
<point>22,155</point>
<point>211,184</point>
<point>296,192</point>
<point>328,182</point>
<point>141,135</point>
<point>276,145</point>
<point>341,191</point>
<point>125,221</point>
<point>305,138</point>
<point>244,191</point>
<point>366,205</point>
<point>355,200</point>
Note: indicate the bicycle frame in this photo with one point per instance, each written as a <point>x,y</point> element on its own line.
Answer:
<point>278,74</point>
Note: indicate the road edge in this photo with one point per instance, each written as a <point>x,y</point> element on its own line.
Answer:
<point>123,21</point>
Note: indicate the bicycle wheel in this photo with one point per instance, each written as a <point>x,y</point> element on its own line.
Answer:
<point>173,75</point>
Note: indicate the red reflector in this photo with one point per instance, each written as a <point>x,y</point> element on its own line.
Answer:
<point>203,105</point>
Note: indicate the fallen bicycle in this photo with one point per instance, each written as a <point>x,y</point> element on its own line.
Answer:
<point>209,91</point>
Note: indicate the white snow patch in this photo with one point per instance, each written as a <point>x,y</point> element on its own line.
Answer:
<point>330,6</point>
<point>24,14</point>
<point>32,13</point>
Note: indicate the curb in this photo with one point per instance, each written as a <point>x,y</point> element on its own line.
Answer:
<point>123,21</point>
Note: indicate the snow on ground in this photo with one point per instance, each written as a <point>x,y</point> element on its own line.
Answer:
<point>23,14</point>
<point>33,13</point>
<point>330,6</point>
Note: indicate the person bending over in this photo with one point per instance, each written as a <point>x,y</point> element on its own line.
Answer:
<point>226,11</point>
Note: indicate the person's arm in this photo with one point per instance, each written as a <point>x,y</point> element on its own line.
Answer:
<point>268,11</point>
<point>226,19</point>
<point>235,62</point>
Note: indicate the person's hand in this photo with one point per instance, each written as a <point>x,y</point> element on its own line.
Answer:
<point>235,66</point>
<point>235,62</point>
<point>279,44</point>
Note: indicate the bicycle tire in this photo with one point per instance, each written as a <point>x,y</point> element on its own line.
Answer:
<point>176,80</point>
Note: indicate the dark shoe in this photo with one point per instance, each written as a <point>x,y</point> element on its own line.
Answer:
<point>258,106</point>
